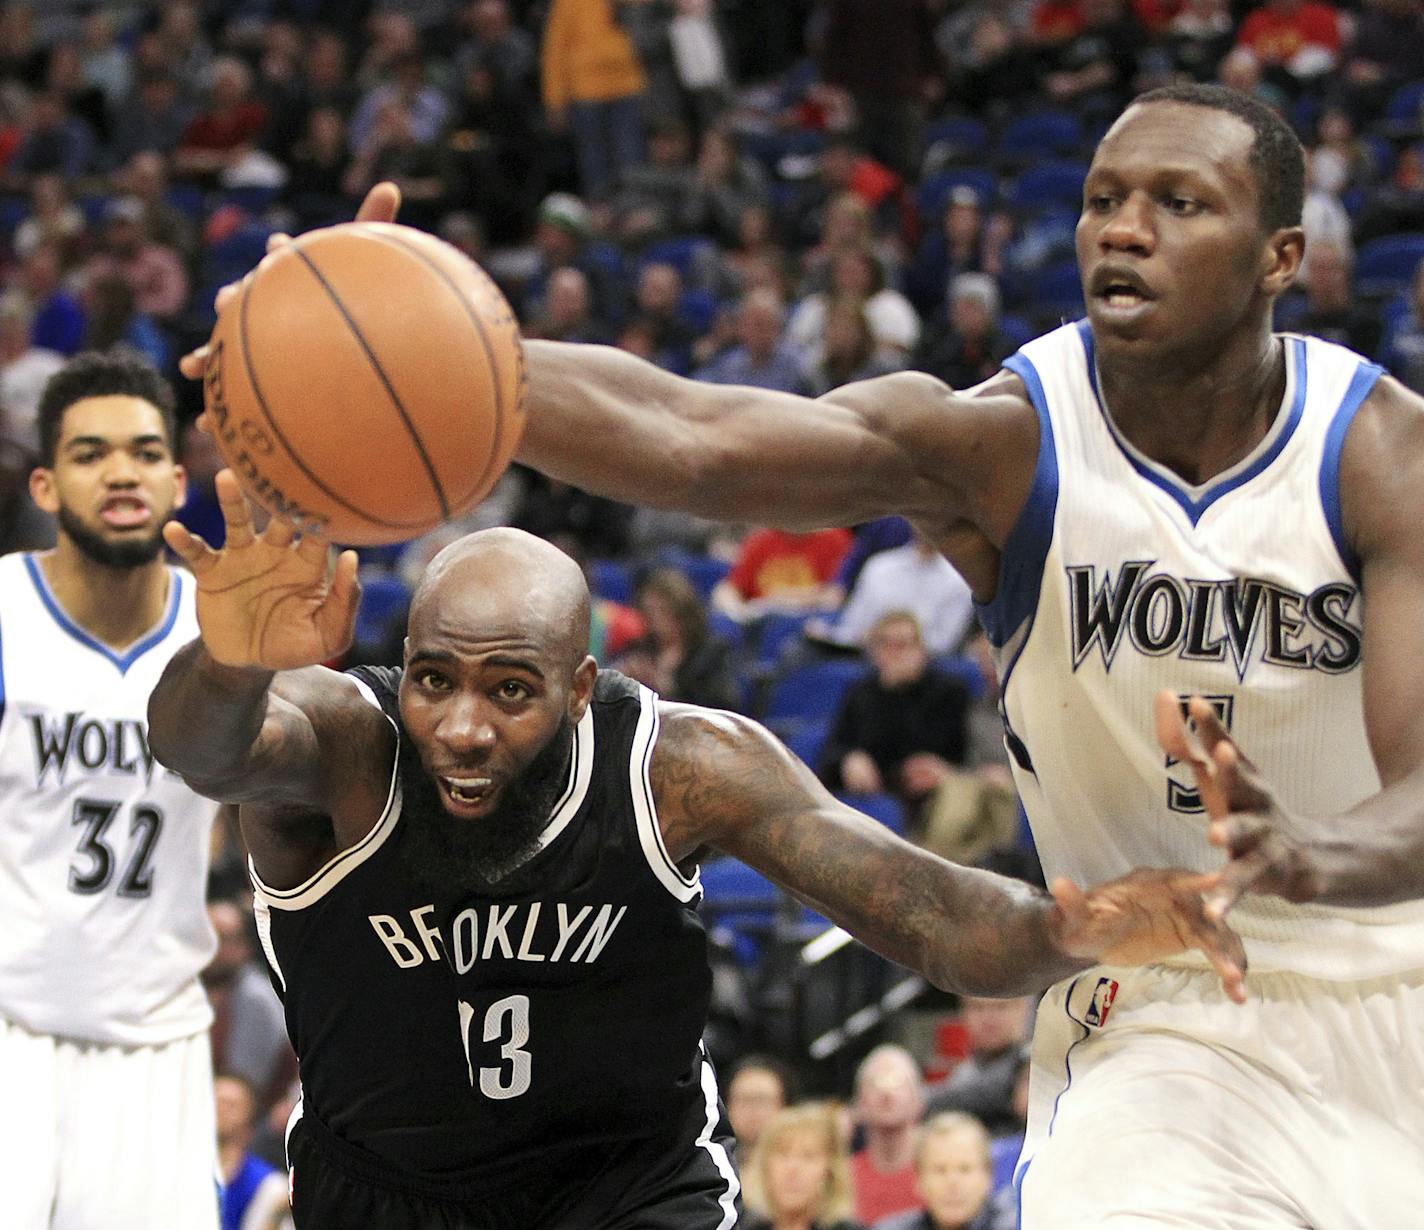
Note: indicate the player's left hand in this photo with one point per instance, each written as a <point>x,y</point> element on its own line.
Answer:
<point>1266,846</point>
<point>382,203</point>
<point>1145,916</point>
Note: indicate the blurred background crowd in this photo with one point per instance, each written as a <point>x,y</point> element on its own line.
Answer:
<point>792,195</point>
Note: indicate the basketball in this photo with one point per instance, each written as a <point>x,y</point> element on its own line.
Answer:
<point>367,381</point>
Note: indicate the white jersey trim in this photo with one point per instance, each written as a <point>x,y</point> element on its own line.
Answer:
<point>344,863</point>
<point>645,810</point>
<point>580,774</point>
<point>262,916</point>
<point>715,1149</point>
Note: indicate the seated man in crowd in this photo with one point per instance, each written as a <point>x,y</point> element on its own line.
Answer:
<point>953,1179</point>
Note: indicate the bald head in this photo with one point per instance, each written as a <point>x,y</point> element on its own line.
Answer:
<point>502,582</point>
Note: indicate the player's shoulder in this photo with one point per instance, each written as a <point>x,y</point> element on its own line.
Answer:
<point>1382,466</point>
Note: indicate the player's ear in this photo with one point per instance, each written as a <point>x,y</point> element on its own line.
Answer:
<point>1284,252</point>
<point>581,693</point>
<point>180,486</point>
<point>42,490</point>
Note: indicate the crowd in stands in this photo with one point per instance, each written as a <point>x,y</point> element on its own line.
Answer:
<point>789,195</point>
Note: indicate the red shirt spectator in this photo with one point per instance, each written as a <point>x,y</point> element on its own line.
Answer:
<point>774,562</point>
<point>1277,32</point>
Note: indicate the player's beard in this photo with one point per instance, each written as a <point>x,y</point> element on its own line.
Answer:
<point>452,858</point>
<point>127,553</point>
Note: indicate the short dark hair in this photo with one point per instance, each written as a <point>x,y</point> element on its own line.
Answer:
<point>101,374</point>
<point>1277,158</point>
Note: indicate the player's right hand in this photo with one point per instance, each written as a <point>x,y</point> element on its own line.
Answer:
<point>268,600</point>
<point>382,203</point>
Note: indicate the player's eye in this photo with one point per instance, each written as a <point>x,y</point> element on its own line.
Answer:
<point>433,681</point>
<point>153,455</point>
<point>513,689</point>
<point>1100,202</point>
<point>1183,206</point>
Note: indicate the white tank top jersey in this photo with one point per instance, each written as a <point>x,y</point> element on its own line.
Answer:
<point>103,852</point>
<point>1119,580</point>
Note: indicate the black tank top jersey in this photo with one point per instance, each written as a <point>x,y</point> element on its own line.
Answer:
<point>544,1039</point>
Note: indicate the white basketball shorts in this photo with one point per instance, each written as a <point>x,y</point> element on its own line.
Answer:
<point>106,1137</point>
<point>1154,1101</point>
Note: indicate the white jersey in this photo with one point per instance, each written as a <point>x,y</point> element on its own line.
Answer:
<point>1120,580</point>
<point>103,852</point>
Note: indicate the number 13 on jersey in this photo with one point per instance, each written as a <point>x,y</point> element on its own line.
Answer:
<point>506,1022</point>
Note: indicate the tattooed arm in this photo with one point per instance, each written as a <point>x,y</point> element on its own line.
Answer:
<point>723,781</point>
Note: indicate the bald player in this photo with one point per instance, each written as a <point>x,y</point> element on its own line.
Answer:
<point>476,887</point>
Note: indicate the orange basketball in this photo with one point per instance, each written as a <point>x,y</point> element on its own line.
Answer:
<point>368,379</point>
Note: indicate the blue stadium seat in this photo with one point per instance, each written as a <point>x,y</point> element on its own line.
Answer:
<point>1385,265</point>
<point>965,669</point>
<point>963,139</point>
<point>697,309</point>
<point>774,632</point>
<point>13,211</point>
<point>187,199</point>
<point>1045,134</point>
<point>933,194</point>
<point>231,257</point>
<point>805,739</point>
<point>1050,183</point>
<point>885,808</point>
<point>611,579</point>
<point>704,572</point>
<point>252,200</point>
<point>1016,329</point>
<point>814,691</point>
<point>1406,104</point>
<point>383,597</point>
<point>727,628</point>
<point>683,253</point>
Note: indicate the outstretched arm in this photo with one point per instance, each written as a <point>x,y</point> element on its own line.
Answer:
<point>243,714</point>
<point>724,781</point>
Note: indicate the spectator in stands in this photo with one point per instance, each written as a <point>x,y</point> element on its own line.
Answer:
<point>915,578</point>
<point>104,61</point>
<point>983,1084</point>
<point>1331,310</point>
<point>326,82</point>
<point>901,729</point>
<point>848,223</point>
<point>1404,347</point>
<point>973,346</point>
<point>319,165</point>
<point>659,187</point>
<point>394,150</point>
<point>146,178</point>
<point>797,1177</point>
<point>1092,70</point>
<point>249,1033</point>
<point>725,185</point>
<point>425,108</point>
<point>155,117</point>
<point>54,219</point>
<point>252,1190</point>
<point>966,242</point>
<point>764,357</point>
<point>855,272</point>
<point>180,42</point>
<point>59,320</point>
<point>221,140</point>
<point>847,348</point>
<point>1198,36</point>
<point>1323,217</point>
<point>1002,68</point>
<point>496,41</point>
<point>757,1088</point>
<point>22,56</point>
<point>25,369</point>
<point>680,659</point>
<point>883,52</point>
<point>23,527</point>
<point>778,571</point>
<point>115,322</point>
<point>592,84</point>
<point>953,1178</point>
<point>889,1100</point>
<point>1386,53</point>
<point>550,509</point>
<point>56,142</point>
<point>201,460</point>
<point>562,234</point>
<point>1298,39</point>
<point>657,301</point>
<point>567,314</point>
<point>154,273</point>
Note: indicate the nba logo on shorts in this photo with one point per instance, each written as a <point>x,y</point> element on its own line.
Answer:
<point>1101,1004</point>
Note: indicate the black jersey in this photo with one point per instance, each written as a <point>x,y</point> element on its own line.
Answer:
<point>535,1047</point>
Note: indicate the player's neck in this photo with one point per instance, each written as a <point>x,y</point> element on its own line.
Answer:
<point>115,606</point>
<point>1198,419</point>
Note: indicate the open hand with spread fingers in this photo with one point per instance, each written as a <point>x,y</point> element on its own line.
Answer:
<point>1266,847</point>
<point>1145,916</point>
<point>268,600</point>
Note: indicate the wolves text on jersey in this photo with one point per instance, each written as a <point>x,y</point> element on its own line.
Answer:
<point>117,745</point>
<point>1246,618</point>
<point>513,932</point>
